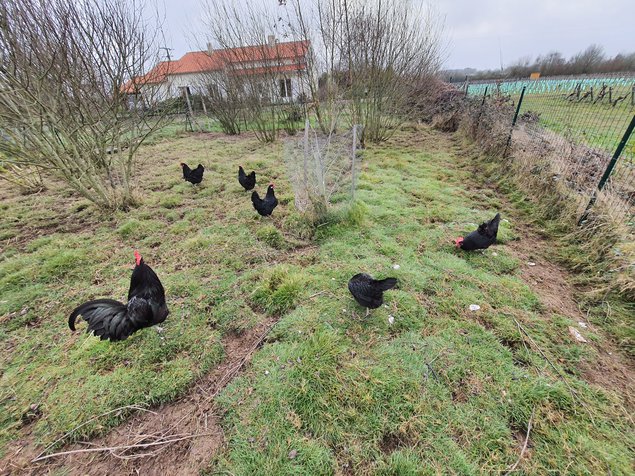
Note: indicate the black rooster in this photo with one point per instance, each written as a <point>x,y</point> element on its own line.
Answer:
<point>194,176</point>
<point>265,206</point>
<point>110,319</point>
<point>369,292</point>
<point>247,181</point>
<point>481,238</point>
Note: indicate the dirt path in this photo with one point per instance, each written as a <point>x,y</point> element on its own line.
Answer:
<point>176,438</point>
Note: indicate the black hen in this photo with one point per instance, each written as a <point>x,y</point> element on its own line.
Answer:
<point>369,292</point>
<point>194,176</point>
<point>265,206</point>
<point>482,238</point>
<point>110,319</point>
<point>247,181</point>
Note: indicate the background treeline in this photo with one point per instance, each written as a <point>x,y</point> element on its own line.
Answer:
<point>590,61</point>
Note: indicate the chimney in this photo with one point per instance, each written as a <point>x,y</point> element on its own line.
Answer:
<point>271,41</point>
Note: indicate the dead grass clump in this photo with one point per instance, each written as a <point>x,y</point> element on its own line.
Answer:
<point>488,124</point>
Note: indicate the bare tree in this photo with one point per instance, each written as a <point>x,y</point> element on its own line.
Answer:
<point>224,94</point>
<point>371,56</point>
<point>591,60</point>
<point>257,61</point>
<point>390,47</point>
<point>72,97</point>
<point>587,61</point>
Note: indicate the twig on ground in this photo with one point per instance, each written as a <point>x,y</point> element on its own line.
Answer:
<point>316,294</point>
<point>224,380</point>
<point>524,448</point>
<point>429,365</point>
<point>532,341</point>
<point>66,435</point>
<point>116,448</point>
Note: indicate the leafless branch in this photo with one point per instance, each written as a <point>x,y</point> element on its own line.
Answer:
<point>68,73</point>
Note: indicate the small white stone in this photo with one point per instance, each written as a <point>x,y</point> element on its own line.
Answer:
<point>332,279</point>
<point>582,324</point>
<point>576,334</point>
<point>474,307</point>
<point>391,320</point>
<point>266,372</point>
<point>531,263</point>
<point>395,266</point>
<point>494,253</point>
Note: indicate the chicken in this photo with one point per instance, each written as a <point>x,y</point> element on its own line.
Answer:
<point>265,206</point>
<point>482,238</point>
<point>194,176</point>
<point>110,319</point>
<point>247,181</point>
<point>369,292</point>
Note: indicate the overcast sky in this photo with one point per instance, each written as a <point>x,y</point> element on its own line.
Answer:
<point>479,32</point>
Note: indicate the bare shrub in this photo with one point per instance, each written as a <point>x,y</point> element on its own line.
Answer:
<point>63,101</point>
<point>388,47</point>
<point>28,179</point>
<point>257,62</point>
<point>488,124</point>
<point>224,96</point>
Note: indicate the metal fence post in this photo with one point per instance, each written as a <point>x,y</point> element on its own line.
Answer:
<point>467,85</point>
<point>354,160</point>
<point>633,96</point>
<point>511,130</point>
<point>480,111</point>
<point>305,173</point>
<point>609,169</point>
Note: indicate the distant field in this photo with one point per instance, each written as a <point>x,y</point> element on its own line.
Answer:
<point>590,120</point>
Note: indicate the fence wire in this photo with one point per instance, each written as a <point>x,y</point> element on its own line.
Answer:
<point>323,168</point>
<point>569,129</point>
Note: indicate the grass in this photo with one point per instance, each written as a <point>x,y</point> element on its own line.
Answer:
<point>596,125</point>
<point>200,240</point>
<point>441,390</point>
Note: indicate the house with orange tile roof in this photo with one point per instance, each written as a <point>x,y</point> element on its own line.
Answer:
<point>283,65</point>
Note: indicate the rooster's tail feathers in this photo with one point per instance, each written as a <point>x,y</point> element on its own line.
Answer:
<point>105,317</point>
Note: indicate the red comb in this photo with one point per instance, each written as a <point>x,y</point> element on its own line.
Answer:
<point>137,257</point>
<point>458,241</point>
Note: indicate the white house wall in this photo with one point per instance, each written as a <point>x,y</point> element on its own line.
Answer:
<point>174,83</point>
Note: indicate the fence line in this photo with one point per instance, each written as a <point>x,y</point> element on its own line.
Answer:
<point>578,129</point>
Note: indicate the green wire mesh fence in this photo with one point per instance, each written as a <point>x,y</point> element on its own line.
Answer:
<point>576,133</point>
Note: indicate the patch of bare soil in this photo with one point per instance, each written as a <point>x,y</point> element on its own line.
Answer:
<point>179,438</point>
<point>612,370</point>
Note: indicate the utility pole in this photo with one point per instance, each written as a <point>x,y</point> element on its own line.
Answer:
<point>167,51</point>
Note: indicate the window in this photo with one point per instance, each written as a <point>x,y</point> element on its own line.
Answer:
<point>285,88</point>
